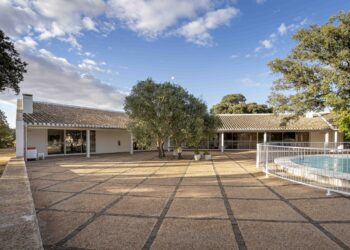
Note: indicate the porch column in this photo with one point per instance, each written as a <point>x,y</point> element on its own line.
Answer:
<point>222,142</point>
<point>265,137</point>
<point>131,144</point>
<point>336,138</point>
<point>88,143</point>
<point>326,139</point>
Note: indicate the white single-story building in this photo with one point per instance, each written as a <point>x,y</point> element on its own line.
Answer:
<point>55,129</point>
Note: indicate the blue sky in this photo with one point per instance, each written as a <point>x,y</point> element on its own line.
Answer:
<point>90,53</point>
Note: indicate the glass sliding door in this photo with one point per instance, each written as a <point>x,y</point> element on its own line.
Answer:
<point>55,141</point>
<point>92,141</point>
<point>75,141</point>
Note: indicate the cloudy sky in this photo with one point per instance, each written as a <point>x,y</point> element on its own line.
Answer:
<point>91,52</point>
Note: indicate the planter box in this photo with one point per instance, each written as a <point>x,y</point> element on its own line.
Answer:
<point>207,157</point>
<point>197,157</point>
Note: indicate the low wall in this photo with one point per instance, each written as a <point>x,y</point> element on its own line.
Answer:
<point>18,223</point>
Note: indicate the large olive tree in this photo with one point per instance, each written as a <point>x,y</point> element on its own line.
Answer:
<point>159,111</point>
<point>316,74</point>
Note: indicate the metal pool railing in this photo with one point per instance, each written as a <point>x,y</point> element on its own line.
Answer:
<point>326,167</point>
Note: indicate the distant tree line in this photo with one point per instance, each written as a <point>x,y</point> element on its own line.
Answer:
<point>236,104</point>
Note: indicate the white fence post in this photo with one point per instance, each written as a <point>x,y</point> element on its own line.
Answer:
<point>257,155</point>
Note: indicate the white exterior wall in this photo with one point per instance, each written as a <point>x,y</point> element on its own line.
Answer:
<point>318,136</point>
<point>107,141</point>
<point>37,138</point>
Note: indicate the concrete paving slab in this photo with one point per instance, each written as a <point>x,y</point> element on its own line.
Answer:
<point>43,199</point>
<point>264,210</point>
<point>200,181</point>
<point>146,206</point>
<point>195,234</point>
<point>267,235</point>
<point>154,191</point>
<point>85,203</point>
<point>39,184</point>
<point>70,186</point>
<point>339,230</point>
<point>300,192</point>
<point>160,180</point>
<point>324,209</point>
<point>248,181</point>
<point>111,187</point>
<point>60,176</point>
<point>249,193</point>
<point>95,177</point>
<point>114,232</point>
<point>197,208</point>
<point>55,225</point>
<point>199,192</point>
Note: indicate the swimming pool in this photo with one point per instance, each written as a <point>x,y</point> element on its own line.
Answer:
<point>335,163</point>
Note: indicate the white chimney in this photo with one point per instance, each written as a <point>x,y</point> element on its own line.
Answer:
<point>310,114</point>
<point>27,103</point>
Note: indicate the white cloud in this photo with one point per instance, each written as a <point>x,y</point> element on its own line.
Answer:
<point>89,23</point>
<point>90,66</point>
<point>260,1</point>
<point>54,79</point>
<point>267,44</point>
<point>26,43</point>
<point>282,29</point>
<point>234,56</point>
<point>66,20</point>
<point>151,18</point>
<point>197,31</point>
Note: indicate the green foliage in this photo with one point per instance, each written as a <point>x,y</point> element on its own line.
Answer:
<point>206,152</point>
<point>7,135</point>
<point>316,74</point>
<point>196,152</point>
<point>12,67</point>
<point>161,111</point>
<point>343,123</point>
<point>236,104</point>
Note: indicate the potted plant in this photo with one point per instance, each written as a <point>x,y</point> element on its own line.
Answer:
<point>197,155</point>
<point>207,155</point>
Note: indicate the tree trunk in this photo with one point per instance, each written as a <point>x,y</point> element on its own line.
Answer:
<point>162,149</point>
<point>159,149</point>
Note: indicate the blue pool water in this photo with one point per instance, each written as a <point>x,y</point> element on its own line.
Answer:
<point>333,163</point>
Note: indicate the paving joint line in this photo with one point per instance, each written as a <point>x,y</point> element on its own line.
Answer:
<point>235,227</point>
<point>300,212</point>
<point>101,212</point>
<point>156,228</point>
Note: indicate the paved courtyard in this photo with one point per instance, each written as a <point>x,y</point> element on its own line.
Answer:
<point>139,202</point>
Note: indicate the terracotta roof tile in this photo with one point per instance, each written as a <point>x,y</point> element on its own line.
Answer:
<point>269,122</point>
<point>49,114</point>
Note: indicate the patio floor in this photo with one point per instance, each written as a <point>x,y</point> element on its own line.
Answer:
<point>139,202</point>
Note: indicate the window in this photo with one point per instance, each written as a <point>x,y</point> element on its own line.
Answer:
<point>276,137</point>
<point>289,136</point>
<point>55,143</point>
<point>75,141</point>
